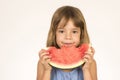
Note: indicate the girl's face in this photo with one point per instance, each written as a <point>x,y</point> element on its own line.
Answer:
<point>68,35</point>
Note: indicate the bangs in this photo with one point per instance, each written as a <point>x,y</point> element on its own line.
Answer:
<point>76,22</point>
<point>63,22</point>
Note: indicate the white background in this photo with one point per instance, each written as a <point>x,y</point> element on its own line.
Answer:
<point>24,27</point>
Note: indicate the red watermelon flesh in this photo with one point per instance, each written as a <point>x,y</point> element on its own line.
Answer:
<point>67,57</point>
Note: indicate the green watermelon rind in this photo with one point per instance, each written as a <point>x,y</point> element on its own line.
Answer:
<point>62,66</point>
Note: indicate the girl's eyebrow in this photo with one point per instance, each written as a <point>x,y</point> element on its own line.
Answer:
<point>60,27</point>
<point>76,28</point>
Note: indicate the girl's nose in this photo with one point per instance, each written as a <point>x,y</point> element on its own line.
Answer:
<point>68,36</point>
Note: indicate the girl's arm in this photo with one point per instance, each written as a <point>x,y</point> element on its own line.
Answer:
<point>90,73</point>
<point>40,71</point>
<point>42,74</point>
<point>43,68</point>
<point>46,75</point>
<point>90,67</point>
<point>93,70</point>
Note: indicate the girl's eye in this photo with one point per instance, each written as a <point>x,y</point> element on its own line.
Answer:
<point>75,32</point>
<point>60,31</point>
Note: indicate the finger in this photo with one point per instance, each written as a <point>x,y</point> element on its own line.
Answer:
<point>44,54</point>
<point>86,60</point>
<point>88,53</point>
<point>92,50</point>
<point>48,60</point>
<point>42,50</point>
<point>88,57</point>
<point>46,57</point>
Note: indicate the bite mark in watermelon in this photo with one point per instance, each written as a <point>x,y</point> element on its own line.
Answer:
<point>67,57</point>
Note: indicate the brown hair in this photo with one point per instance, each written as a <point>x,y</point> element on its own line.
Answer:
<point>65,13</point>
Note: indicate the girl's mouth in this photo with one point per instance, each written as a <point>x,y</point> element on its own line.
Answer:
<point>68,44</point>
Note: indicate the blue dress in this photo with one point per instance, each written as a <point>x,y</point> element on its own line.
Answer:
<point>75,74</point>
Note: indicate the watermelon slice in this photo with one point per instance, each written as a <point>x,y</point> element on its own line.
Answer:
<point>67,57</point>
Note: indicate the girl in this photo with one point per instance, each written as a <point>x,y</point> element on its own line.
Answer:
<point>68,28</point>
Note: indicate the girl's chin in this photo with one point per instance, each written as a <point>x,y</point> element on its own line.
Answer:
<point>68,45</point>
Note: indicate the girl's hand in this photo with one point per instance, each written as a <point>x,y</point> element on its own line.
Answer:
<point>45,59</point>
<point>88,58</point>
